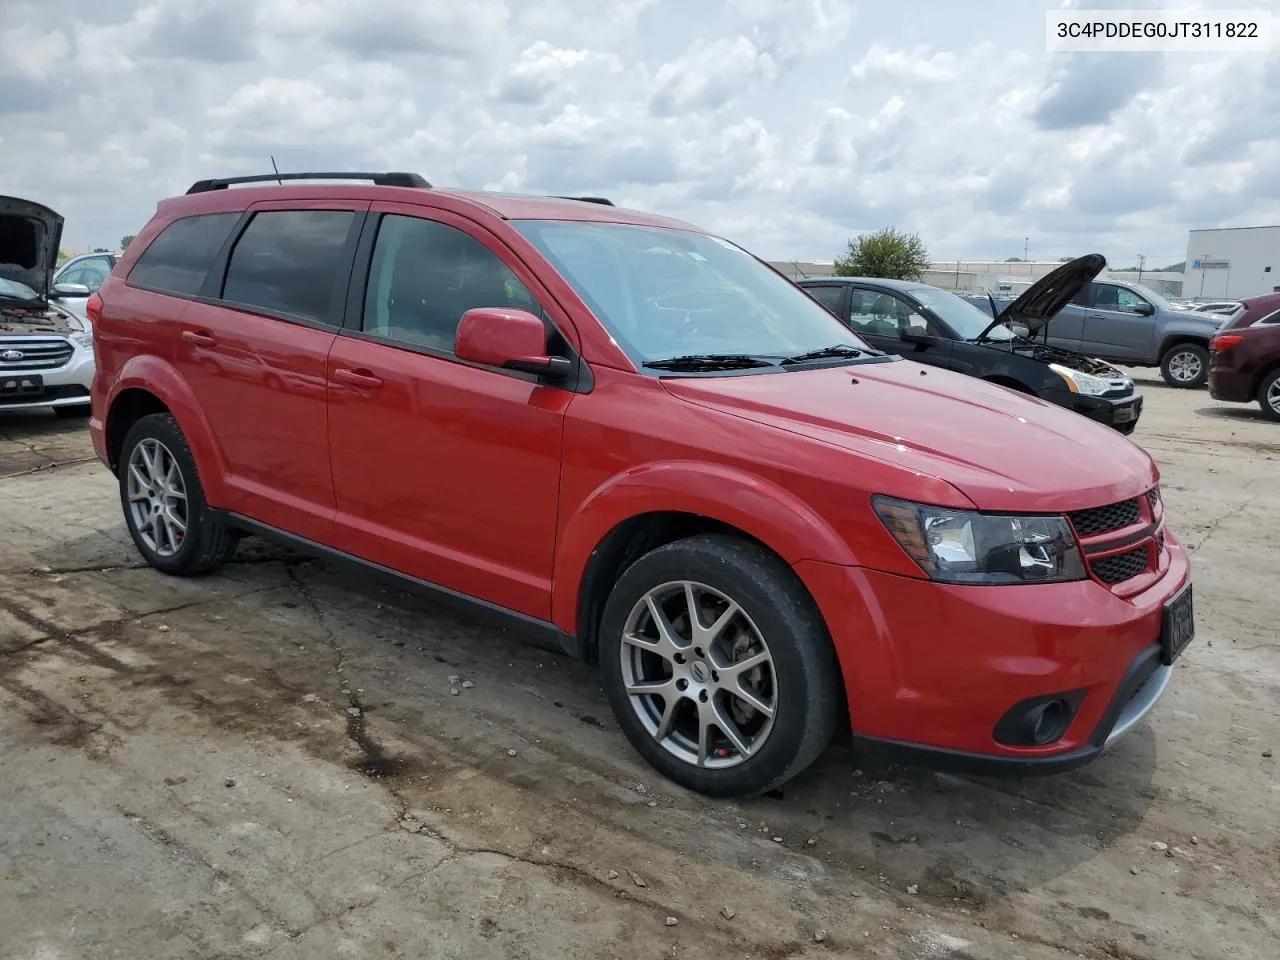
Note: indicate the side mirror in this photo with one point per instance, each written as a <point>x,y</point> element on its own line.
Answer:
<point>70,290</point>
<point>914,335</point>
<point>1144,309</point>
<point>1020,329</point>
<point>507,338</point>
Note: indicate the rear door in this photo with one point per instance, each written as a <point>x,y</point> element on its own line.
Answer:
<point>882,317</point>
<point>254,349</point>
<point>1113,327</point>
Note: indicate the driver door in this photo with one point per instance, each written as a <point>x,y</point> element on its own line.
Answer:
<point>883,318</point>
<point>443,470</point>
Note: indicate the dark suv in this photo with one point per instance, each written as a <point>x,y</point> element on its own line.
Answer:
<point>934,326</point>
<point>641,445</point>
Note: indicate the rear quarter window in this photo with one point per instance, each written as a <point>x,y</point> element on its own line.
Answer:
<point>178,260</point>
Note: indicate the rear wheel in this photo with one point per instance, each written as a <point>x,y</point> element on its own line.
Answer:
<point>163,501</point>
<point>1269,395</point>
<point>1185,365</point>
<point>718,666</point>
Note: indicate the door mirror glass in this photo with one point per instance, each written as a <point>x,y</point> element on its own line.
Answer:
<point>509,338</point>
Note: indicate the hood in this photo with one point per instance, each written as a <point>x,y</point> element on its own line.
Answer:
<point>1040,302</point>
<point>1002,450</point>
<point>30,235</point>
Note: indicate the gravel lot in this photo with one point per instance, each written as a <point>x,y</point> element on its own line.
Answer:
<point>273,762</point>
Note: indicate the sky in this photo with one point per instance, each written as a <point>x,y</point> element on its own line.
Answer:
<point>789,126</point>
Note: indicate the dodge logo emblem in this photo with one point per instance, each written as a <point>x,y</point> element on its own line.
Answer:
<point>12,355</point>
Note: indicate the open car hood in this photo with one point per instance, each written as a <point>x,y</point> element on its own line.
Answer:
<point>30,235</point>
<point>1044,298</point>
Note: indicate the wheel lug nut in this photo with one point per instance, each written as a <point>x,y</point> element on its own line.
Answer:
<point>702,695</point>
<point>682,684</point>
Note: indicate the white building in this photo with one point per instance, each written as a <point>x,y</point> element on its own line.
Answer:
<point>1232,263</point>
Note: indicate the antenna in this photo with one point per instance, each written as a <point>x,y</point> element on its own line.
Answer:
<point>276,169</point>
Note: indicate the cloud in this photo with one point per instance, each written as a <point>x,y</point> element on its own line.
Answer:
<point>787,125</point>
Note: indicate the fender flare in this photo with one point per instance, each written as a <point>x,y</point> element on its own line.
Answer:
<point>757,506</point>
<point>162,380</point>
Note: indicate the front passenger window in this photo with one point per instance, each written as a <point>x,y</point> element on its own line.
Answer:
<point>425,275</point>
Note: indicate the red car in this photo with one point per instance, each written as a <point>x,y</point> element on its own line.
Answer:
<point>1246,357</point>
<point>646,448</point>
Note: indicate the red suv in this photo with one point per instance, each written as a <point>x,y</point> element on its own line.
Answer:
<point>1246,356</point>
<point>642,445</point>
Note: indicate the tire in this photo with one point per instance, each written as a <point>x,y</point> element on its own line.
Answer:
<point>206,544</point>
<point>1186,366</point>
<point>1269,395</point>
<point>800,680</point>
<point>72,413</point>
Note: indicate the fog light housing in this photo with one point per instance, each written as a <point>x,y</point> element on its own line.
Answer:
<point>1038,721</point>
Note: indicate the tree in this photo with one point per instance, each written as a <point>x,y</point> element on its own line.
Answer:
<point>1014,260</point>
<point>886,253</point>
<point>126,240</point>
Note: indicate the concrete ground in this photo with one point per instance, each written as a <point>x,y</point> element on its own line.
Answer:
<point>271,762</point>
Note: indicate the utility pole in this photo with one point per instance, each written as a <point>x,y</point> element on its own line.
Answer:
<point>1026,249</point>
<point>1142,262</point>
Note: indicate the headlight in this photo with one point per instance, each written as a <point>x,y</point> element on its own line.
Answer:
<point>960,546</point>
<point>1078,382</point>
<point>83,338</point>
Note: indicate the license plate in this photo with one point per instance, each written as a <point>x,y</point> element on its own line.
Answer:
<point>1125,414</point>
<point>1179,626</point>
<point>21,384</point>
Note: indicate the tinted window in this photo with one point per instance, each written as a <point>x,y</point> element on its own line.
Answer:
<point>1110,297</point>
<point>828,296</point>
<point>290,261</point>
<point>178,260</point>
<point>1081,299</point>
<point>426,275</point>
<point>877,314</point>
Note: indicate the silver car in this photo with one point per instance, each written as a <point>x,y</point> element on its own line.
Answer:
<point>87,270</point>
<point>46,349</point>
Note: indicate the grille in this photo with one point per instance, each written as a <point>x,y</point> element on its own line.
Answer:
<point>1121,567</point>
<point>1153,497</point>
<point>36,354</point>
<point>1160,541</point>
<point>1102,519</point>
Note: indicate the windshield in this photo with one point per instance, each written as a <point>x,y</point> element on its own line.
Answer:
<point>665,293</point>
<point>961,316</point>
<point>13,290</point>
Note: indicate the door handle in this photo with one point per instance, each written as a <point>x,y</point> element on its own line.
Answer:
<point>198,338</point>
<point>357,378</point>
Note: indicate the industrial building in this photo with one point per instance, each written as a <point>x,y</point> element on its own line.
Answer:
<point>1232,263</point>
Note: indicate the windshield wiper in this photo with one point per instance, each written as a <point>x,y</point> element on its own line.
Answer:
<point>827,353</point>
<point>694,363</point>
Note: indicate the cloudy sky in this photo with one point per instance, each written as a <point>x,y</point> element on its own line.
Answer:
<point>787,125</point>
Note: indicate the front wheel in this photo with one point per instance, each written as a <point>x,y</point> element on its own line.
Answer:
<point>1185,365</point>
<point>718,666</point>
<point>1269,396</point>
<point>163,501</point>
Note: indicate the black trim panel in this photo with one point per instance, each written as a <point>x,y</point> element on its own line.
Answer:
<point>539,632</point>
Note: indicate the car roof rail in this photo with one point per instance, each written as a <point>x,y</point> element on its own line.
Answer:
<point>602,200</point>
<point>378,179</point>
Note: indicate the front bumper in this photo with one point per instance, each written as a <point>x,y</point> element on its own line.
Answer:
<point>1122,413</point>
<point>931,669</point>
<point>67,385</point>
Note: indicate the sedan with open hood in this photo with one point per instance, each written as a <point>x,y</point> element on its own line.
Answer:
<point>46,351</point>
<point>934,326</point>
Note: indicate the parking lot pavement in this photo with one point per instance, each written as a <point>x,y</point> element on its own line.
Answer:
<point>272,762</point>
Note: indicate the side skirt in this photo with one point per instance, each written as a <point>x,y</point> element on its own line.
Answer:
<point>540,633</point>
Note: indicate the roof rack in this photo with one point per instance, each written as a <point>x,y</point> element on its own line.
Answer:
<point>378,179</point>
<point>604,200</point>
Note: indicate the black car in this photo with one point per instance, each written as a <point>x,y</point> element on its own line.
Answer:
<point>934,326</point>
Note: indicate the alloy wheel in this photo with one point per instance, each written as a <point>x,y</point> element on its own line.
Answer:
<point>157,497</point>
<point>1185,366</point>
<point>1273,396</point>
<point>699,675</point>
